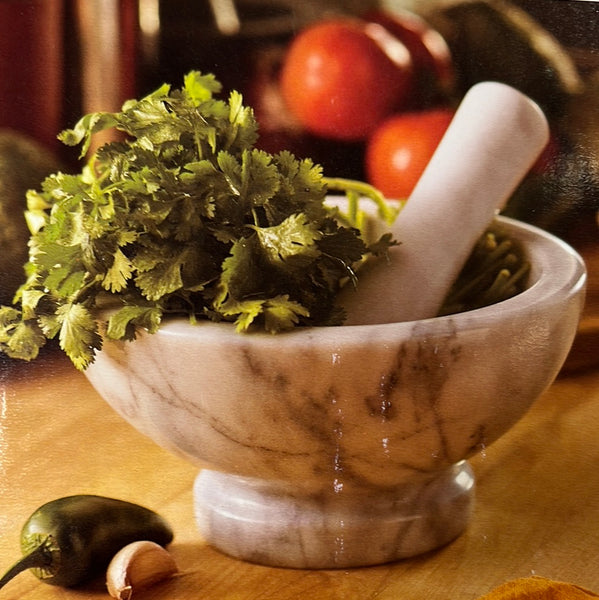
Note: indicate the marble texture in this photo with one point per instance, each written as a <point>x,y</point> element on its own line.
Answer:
<point>345,446</point>
<point>268,522</point>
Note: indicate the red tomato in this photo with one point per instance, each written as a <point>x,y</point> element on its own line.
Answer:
<point>399,150</point>
<point>342,77</point>
<point>433,62</point>
<point>549,157</point>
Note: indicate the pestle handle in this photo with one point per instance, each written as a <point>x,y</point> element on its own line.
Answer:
<point>494,138</point>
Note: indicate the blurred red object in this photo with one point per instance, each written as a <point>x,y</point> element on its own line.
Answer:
<point>60,59</point>
<point>31,67</point>
<point>401,147</point>
<point>341,77</point>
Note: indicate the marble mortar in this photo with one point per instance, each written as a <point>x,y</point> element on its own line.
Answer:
<point>346,446</point>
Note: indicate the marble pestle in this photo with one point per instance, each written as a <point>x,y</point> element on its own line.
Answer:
<point>493,140</point>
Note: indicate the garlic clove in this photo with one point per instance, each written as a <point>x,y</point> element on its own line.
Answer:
<point>138,566</point>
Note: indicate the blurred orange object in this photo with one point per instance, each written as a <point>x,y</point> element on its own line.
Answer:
<point>108,50</point>
<point>401,147</point>
<point>538,588</point>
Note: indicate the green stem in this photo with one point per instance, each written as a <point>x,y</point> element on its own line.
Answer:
<point>39,557</point>
<point>349,186</point>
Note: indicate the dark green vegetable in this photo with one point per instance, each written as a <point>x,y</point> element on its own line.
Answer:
<point>70,540</point>
<point>185,217</point>
<point>496,270</point>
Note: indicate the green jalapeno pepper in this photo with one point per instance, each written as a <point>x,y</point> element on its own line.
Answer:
<point>70,540</point>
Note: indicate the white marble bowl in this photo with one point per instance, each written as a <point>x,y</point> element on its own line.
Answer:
<point>346,446</point>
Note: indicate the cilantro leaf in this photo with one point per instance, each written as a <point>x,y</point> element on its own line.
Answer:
<point>118,274</point>
<point>123,323</point>
<point>200,88</point>
<point>25,341</point>
<point>281,314</point>
<point>78,335</point>
<point>295,236</point>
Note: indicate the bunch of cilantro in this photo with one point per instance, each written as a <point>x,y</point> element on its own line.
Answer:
<point>184,217</point>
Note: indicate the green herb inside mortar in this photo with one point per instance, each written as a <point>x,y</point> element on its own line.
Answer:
<point>187,217</point>
<point>184,217</point>
<point>496,270</point>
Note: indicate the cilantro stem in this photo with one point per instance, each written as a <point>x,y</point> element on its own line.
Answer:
<point>356,189</point>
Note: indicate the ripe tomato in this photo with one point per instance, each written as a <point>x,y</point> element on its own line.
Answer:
<point>401,147</point>
<point>342,77</point>
<point>431,56</point>
<point>549,157</point>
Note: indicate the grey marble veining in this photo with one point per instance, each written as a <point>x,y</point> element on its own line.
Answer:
<point>272,524</point>
<point>317,441</point>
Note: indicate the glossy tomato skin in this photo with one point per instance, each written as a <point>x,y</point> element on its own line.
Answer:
<point>342,77</point>
<point>432,59</point>
<point>549,157</point>
<point>401,147</point>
